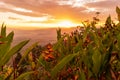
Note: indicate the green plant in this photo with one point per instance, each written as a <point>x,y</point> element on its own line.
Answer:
<point>90,54</point>
<point>6,51</point>
<point>95,47</point>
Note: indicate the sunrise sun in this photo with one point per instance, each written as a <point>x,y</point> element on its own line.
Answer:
<point>66,24</point>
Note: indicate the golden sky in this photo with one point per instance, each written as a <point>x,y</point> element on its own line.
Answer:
<point>54,13</point>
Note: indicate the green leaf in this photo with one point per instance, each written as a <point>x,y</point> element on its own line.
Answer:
<point>40,60</point>
<point>118,12</point>
<point>27,52</point>
<point>108,21</point>
<point>87,29</point>
<point>59,34</point>
<point>9,54</point>
<point>9,38</point>
<point>1,78</point>
<point>118,38</point>
<point>6,45</point>
<point>82,76</point>
<point>3,30</point>
<point>96,61</point>
<point>6,40</point>
<point>78,47</point>
<point>95,38</point>
<point>106,58</point>
<point>4,49</point>
<point>57,45</point>
<point>22,76</point>
<point>62,63</point>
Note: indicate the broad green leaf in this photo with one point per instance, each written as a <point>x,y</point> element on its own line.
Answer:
<point>96,61</point>
<point>9,54</point>
<point>9,38</point>
<point>4,49</point>
<point>62,63</point>
<point>6,45</point>
<point>22,76</point>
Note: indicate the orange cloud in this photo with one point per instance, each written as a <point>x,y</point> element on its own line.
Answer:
<point>44,12</point>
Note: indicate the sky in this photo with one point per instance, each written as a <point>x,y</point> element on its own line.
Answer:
<point>54,13</point>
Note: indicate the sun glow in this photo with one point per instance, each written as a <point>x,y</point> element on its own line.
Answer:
<point>66,24</point>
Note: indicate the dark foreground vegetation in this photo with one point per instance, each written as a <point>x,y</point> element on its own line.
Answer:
<point>88,53</point>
